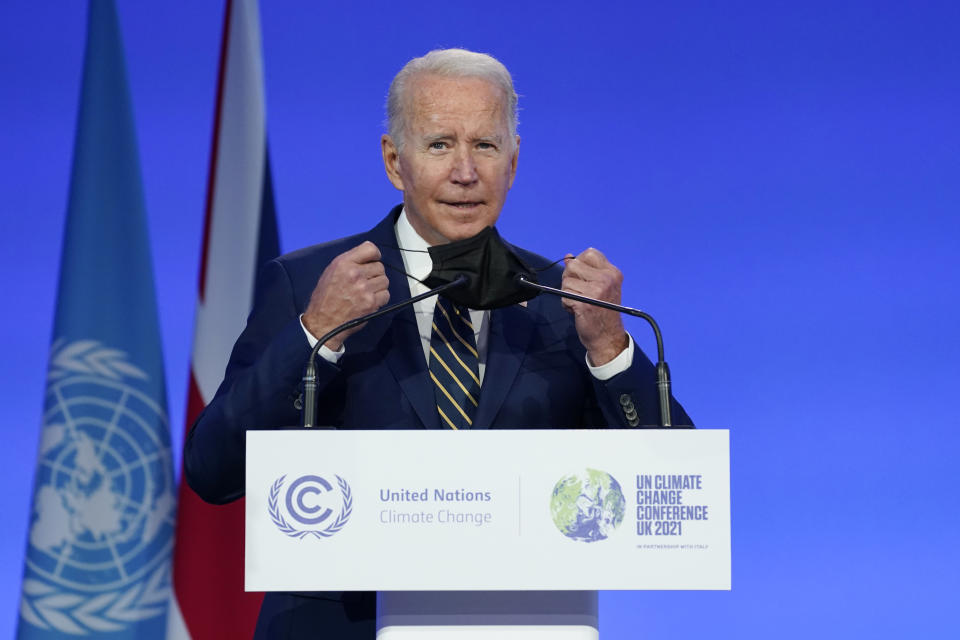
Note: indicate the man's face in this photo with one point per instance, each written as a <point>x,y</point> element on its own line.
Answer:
<point>458,160</point>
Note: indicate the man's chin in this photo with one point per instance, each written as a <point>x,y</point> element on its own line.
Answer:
<point>452,233</point>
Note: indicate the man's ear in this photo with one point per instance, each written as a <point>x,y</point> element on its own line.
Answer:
<point>513,161</point>
<point>391,161</point>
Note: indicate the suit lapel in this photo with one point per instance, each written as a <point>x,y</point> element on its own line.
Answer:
<point>400,346</point>
<point>405,359</point>
<point>510,332</point>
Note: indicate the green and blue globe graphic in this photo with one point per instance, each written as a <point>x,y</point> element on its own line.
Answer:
<point>587,506</point>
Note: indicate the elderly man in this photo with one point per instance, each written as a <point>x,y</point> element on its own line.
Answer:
<point>452,150</point>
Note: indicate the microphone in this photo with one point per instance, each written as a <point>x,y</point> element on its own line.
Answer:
<point>310,375</point>
<point>663,371</point>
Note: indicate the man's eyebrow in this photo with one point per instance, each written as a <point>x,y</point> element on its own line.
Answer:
<point>494,138</point>
<point>433,137</point>
<point>437,137</point>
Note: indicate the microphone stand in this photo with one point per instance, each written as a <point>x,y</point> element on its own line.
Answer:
<point>310,375</point>
<point>663,371</point>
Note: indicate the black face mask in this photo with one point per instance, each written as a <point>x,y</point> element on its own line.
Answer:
<point>491,267</point>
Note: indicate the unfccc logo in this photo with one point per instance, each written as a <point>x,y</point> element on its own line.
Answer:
<point>310,501</point>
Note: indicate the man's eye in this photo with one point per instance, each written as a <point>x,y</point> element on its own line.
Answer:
<point>439,145</point>
<point>485,145</point>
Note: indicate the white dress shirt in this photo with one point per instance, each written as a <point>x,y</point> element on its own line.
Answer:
<point>417,264</point>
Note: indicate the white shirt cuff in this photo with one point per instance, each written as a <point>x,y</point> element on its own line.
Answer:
<point>333,357</point>
<point>618,365</point>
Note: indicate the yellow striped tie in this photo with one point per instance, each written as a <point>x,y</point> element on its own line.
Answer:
<point>454,365</point>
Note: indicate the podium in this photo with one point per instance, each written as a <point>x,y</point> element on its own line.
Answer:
<point>487,533</point>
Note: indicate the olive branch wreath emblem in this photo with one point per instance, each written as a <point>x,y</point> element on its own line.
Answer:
<point>277,516</point>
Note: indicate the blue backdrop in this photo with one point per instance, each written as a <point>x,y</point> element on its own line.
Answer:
<point>778,181</point>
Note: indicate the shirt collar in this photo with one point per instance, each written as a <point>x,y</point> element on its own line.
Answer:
<point>417,264</point>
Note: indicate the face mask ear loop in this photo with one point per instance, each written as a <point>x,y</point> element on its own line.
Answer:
<point>391,246</point>
<point>398,269</point>
<point>555,262</point>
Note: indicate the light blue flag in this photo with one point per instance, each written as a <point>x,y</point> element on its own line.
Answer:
<point>101,527</point>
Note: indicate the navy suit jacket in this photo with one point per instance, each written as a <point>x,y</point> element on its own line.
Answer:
<point>535,377</point>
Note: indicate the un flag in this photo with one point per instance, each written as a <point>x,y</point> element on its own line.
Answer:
<point>101,526</point>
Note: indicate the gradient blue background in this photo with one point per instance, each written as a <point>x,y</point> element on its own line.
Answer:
<point>780,182</point>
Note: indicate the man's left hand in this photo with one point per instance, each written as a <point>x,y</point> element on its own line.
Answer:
<point>600,330</point>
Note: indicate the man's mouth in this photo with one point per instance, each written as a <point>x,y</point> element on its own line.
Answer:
<point>465,205</point>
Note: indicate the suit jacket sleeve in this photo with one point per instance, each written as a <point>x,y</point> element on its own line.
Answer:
<point>635,389</point>
<point>612,401</point>
<point>260,387</point>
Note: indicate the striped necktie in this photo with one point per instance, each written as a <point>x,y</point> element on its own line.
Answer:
<point>454,365</point>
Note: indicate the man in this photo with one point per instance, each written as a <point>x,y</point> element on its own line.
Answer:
<point>452,150</point>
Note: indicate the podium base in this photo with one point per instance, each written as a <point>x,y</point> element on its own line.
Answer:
<point>489,632</point>
<point>483,615</point>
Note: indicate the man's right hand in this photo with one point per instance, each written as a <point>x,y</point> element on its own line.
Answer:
<point>353,285</point>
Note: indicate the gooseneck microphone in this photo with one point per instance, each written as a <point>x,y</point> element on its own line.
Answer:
<point>663,371</point>
<point>310,375</point>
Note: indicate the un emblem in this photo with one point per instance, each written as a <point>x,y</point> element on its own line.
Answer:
<point>102,529</point>
<point>310,501</point>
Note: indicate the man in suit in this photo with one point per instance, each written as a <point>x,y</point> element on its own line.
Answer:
<point>452,150</point>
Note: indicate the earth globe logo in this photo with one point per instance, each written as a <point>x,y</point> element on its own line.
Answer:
<point>587,506</point>
<point>102,529</point>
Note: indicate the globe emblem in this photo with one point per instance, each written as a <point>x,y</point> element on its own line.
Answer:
<point>587,506</point>
<point>102,529</point>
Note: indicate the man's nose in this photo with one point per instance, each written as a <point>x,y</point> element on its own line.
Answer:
<point>464,169</point>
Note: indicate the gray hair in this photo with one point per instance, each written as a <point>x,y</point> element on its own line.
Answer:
<point>451,63</point>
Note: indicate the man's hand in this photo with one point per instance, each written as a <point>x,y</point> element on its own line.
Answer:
<point>600,330</point>
<point>352,285</point>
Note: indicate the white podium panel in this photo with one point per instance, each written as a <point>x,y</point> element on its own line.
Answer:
<point>487,510</point>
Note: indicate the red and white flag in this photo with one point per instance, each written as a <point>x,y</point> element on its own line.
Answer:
<point>240,233</point>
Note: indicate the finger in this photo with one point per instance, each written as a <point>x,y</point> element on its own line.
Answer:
<point>363,253</point>
<point>579,287</point>
<point>370,270</point>
<point>593,258</point>
<point>575,308</point>
<point>580,270</point>
<point>573,279</point>
<point>349,271</point>
<point>379,283</point>
<point>382,297</point>
<point>575,289</point>
<point>607,276</point>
